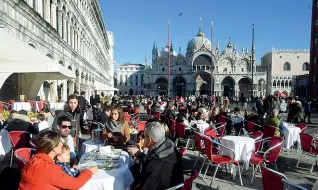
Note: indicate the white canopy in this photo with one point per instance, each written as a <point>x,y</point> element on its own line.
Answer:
<point>103,87</point>
<point>18,57</point>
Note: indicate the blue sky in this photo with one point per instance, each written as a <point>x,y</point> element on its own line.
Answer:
<point>137,24</point>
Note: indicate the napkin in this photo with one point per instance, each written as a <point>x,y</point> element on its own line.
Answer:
<point>105,149</point>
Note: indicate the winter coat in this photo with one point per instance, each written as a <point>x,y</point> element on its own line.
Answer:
<point>22,123</point>
<point>41,173</point>
<point>273,121</point>
<point>161,167</point>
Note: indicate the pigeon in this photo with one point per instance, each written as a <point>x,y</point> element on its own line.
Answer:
<point>180,14</point>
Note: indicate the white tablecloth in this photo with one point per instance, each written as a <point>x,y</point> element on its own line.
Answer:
<point>115,179</point>
<point>242,146</point>
<point>89,146</point>
<point>291,135</point>
<point>57,106</point>
<point>17,106</point>
<point>5,143</point>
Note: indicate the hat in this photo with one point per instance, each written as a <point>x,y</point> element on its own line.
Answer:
<point>203,111</point>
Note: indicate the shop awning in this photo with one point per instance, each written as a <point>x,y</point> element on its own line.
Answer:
<point>18,57</point>
<point>103,87</point>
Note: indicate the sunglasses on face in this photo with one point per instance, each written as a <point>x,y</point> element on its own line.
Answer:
<point>65,126</point>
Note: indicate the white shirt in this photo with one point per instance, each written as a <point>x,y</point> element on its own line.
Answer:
<point>70,143</point>
<point>43,125</point>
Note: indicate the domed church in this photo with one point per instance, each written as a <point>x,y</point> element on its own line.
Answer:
<point>228,74</point>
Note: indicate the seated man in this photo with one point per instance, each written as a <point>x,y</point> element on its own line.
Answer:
<point>64,127</point>
<point>274,120</point>
<point>21,122</point>
<point>162,165</point>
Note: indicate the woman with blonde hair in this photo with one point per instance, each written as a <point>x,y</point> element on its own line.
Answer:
<point>116,132</point>
<point>41,172</point>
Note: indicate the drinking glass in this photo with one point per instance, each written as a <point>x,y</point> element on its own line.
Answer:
<point>108,160</point>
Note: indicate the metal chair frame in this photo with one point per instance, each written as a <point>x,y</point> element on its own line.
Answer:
<point>285,180</point>
<point>264,156</point>
<point>217,165</point>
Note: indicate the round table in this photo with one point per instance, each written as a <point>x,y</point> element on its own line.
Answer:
<point>242,147</point>
<point>291,135</point>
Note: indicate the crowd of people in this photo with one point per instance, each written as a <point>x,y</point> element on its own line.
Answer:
<point>58,136</point>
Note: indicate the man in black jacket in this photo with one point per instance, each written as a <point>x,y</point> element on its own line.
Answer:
<point>162,165</point>
<point>83,103</point>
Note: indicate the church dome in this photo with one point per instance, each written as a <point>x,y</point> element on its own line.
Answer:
<point>198,42</point>
<point>164,53</point>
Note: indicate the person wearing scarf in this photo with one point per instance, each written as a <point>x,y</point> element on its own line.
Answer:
<point>116,131</point>
<point>159,168</point>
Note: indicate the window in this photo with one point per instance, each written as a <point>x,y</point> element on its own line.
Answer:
<point>316,22</point>
<point>207,68</point>
<point>194,68</point>
<point>306,66</point>
<point>286,66</point>
<point>179,69</point>
<point>225,70</point>
<point>131,68</point>
<point>136,77</point>
<point>242,69</point>
<point>126,69</point>
<point>163,69</point>
<point>274,83</point>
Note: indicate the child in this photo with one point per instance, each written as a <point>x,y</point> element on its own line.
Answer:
<point>63,160</point>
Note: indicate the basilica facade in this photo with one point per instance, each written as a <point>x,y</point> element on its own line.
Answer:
<point>228,73</point>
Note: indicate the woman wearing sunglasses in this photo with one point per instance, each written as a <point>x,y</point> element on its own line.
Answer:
<point>116,132</point>
<point>42,173</point>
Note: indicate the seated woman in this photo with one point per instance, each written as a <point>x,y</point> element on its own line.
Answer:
<point>42,173</point>
<point>273,120</point>
<point>182,117</point>
<point>116,132</point>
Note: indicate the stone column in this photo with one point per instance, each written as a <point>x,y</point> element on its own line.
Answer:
<point>71,37</point>
<point>39,7</point>
<point>53,91</point>
<point>75,39</point>
<point>47,10</point>
<point>53,13</point>
<point>59,20</point>
<point>71,87</point>
<point>30,3</point>
<point>64,27</point>
<point>64,91</point>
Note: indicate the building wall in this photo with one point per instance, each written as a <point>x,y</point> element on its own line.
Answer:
<point>130,71</point>
<point>282,67</point>
<point>71,32</point>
